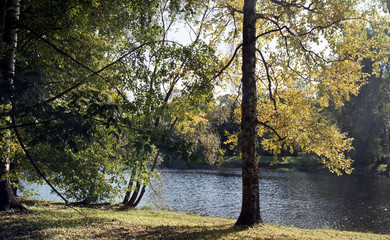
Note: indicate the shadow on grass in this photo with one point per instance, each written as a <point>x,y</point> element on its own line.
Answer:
<point>13,226</point>
<point>51,222</point>
<point>170,232</point>
<point>42,223</point>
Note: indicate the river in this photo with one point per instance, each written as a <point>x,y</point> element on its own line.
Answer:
<point>300,199</point>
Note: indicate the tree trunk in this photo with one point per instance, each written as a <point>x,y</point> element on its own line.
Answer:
<point>132,201</point>
<point>9,18</point>
<point>250,210</point>
<point>130,186</point>
<point>134,196</point>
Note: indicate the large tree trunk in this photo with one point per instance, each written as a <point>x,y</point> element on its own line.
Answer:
<point>9,18</point>
<point>250,210</point>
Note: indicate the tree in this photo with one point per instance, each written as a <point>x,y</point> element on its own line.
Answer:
<point>8,43</point>
<point>310,54</point>
<point>223,122</point>
<point>170,90</point>
<point>250,211</point>
<point>365,118</point>
<point>76,64</point>
<point>58,99</point>
<point>174,82</point>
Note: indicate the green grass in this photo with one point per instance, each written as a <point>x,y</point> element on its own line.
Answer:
<point>231,162</point>
<point>50,220</point>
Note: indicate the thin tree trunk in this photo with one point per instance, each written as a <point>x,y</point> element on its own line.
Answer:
<point>250,210</point>
<point>140,196</point>
<point>144,186</point>
<point>134,197</point>
<point>9,17</point>
<point>130,186</point>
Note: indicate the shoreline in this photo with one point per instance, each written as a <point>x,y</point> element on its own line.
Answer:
<point>266,166</point>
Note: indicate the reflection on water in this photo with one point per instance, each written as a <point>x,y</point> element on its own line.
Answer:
<point>306,200</point>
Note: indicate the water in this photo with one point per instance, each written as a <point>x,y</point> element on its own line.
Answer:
<point>305,200</point>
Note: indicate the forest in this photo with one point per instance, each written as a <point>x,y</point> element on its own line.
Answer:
<point>96,96</point>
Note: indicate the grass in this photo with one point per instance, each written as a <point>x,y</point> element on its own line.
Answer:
<point>50,220</point>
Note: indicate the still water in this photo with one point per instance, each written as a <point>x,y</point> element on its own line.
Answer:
<point>300,199</point>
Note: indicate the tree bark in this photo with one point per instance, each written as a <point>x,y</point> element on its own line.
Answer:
<point>9,17</point>
<point>250,210</point>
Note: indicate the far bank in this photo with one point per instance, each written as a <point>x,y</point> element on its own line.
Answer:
<point>285,164</point>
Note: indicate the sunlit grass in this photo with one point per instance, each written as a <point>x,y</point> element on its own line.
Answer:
<point>49,220</point>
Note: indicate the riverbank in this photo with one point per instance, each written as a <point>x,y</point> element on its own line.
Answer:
<point>282,164</point>
<point>52,220</point>
<point>234,163</point>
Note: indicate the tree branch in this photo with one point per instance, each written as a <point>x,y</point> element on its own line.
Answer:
<point>32,161</point>
<point>268,77</point>
<point>57,48</point>
<point>91,75</point>
<point>27,124</point>
<point>230,61</point>
<point>257,15</point>
<point>286,4</point>
<point>327,26</point>
<point>272,129</point>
